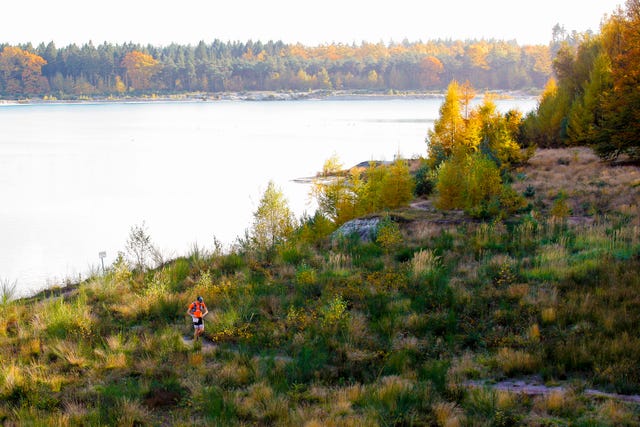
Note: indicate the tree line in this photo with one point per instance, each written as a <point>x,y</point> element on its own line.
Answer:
<point>594,97</point>
<point>113,69</point>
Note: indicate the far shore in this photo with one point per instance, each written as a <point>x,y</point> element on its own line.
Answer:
<point>342,95</point>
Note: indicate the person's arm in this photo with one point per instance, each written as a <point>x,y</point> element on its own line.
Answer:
<point>206,310</point>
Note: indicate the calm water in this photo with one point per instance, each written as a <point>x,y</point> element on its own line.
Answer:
<point>74,179</point>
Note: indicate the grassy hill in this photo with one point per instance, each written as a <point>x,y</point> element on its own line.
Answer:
<point>347,333</point>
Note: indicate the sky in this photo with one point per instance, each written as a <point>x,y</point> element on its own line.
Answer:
<point>308,22</point>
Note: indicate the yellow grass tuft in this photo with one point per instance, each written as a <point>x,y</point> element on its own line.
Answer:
<point>448,414</point>
<point>616,413</point>
<point>260,402</point>
<point>505,400</point>
<point>69,352</point>
<point>132,413</point>
<point>516,361</point>
<point>196,359</point>
<point>534,332</point>
<point>13,377</point>
<point>548,315</point>
<point>234,373</point>
<point>116,361</point>
<point>424,262</point>
<point>30,348</point>
<point>390,388</point>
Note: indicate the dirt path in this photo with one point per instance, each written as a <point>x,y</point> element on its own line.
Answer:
<point>207,345</point>
<point>535,388</point>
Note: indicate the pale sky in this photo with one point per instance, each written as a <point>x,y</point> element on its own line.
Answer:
<point>308,22</point>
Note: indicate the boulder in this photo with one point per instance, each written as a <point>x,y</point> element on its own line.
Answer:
<point>365,228</point>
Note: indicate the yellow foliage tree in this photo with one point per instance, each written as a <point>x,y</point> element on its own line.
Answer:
<point>496,132</point>
<point>273,221</point>
<point>449,129</point>
<point>470,182</point>
<point>21,72</point>
<point>362,192</point>
<point>140,68</point>
<point>430,70</point>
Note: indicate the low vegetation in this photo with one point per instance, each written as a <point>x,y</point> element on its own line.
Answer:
<point>313,330</point>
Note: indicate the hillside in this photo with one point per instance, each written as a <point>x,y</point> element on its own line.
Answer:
<point>343,332</point>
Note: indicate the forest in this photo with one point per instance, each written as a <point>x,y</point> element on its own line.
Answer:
<point>73,72</point>
<point>593,98</point>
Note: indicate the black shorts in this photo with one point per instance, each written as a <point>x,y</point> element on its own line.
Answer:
<point>197,321</point>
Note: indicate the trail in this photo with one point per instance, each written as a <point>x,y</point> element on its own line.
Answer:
<point>535,388</point>
<point>207,345</point>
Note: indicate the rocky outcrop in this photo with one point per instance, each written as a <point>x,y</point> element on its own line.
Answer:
<point>364,228</point>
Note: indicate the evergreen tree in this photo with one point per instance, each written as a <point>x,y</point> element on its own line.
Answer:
<point>449,129</point>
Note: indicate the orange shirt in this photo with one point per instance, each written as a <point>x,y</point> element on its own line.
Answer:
<point>197,308</point>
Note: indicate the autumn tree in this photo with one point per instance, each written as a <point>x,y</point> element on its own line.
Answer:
<point>620,125</point>
<point>21,72</point>
<point>449,129</point>
<point>273,221</point>
<point>586,113</point>
<point>467,93</point>
<point>497,132</point>
<point>364,190</point>
<point>140,68</point>
<point>596,100</point>
<point>430,70</point>
<point>546,126</point>
<point>472,182</point>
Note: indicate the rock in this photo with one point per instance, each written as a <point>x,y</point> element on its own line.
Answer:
<point>365,228</point>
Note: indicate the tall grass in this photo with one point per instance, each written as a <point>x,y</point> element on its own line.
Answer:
<point>8,291</point>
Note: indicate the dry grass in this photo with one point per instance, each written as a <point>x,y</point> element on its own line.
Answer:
<point>424,262</point>
<point>448,414</point>
<point>516,361</point>
<point>592,185</point>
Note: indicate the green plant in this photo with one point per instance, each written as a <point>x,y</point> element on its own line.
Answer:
<point>529,192</point>
<point>425,181</point>
<point>8,291</point>
<point>388,234</point>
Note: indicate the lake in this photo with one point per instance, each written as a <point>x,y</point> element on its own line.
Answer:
<point>74,178</point>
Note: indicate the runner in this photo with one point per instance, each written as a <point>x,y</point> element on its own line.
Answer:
<point>197,310</point>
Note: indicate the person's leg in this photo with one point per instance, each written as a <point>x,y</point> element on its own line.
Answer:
<point>199,329</point>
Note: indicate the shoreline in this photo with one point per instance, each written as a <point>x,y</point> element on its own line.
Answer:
<point>335,95</point>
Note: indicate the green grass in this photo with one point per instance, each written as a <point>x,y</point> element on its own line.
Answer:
<point>343,332</point>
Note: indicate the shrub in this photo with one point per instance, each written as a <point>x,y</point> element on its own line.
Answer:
<point>560,208</point>
<point>388,234</point>
<point>425,181</point>
<point>451,183</point>
<point>306,275</point>
<point>473,183</point>
<point>334,313</point>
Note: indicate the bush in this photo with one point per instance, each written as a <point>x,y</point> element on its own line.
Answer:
<point>388,234</point>
<point>473,183</point>
<point>425,181</point>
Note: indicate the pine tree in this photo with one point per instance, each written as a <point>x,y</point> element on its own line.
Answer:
<point>449,129</point>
